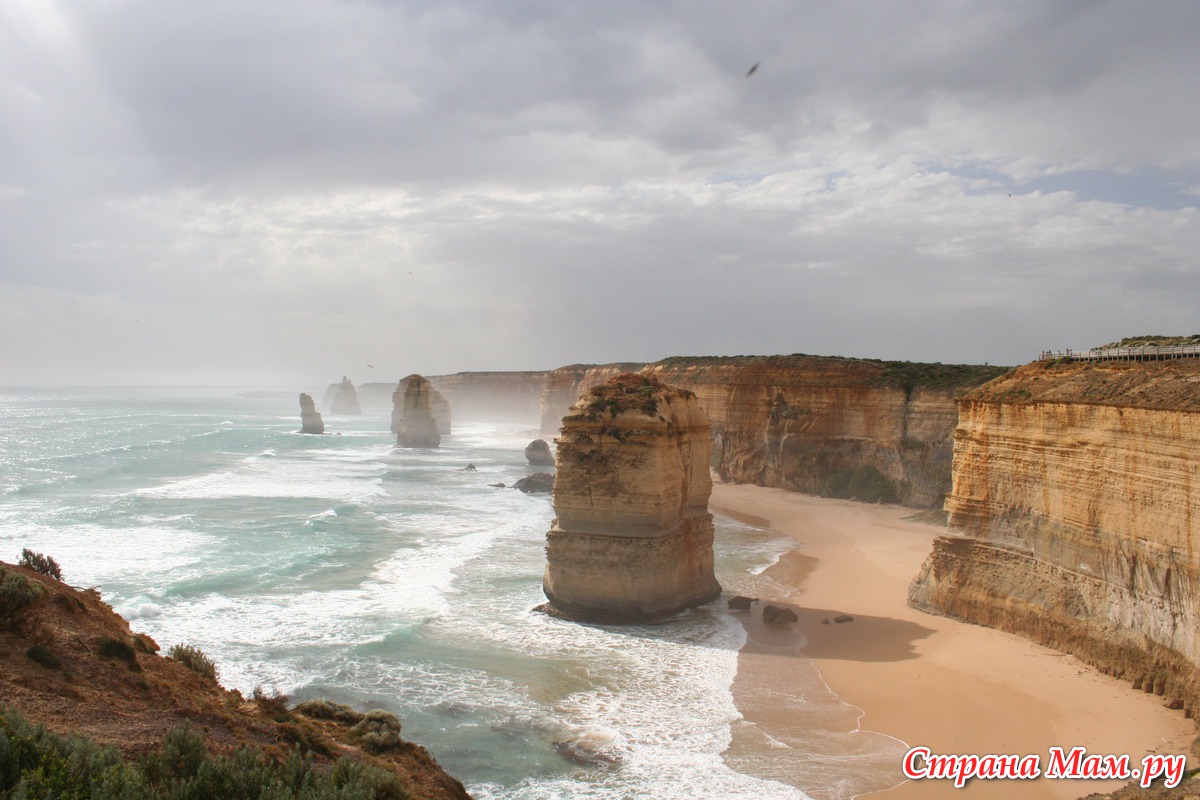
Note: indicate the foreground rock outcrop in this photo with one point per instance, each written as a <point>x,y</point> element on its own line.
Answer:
<point>310,418</point>
<point>345,399</point>
<point>633,539</point>
<point>438,407</point>
<point>1076,517</point>
<point>839,427</point>
<point>68,662</point>
<point>418,427</point>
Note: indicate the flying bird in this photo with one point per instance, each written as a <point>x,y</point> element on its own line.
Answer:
<point>753,69</point>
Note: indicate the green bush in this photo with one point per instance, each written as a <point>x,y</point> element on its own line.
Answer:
<point>194,659</point>
<point>37,764</point>
<point>42,656</point>
<point>16,594</point>
<point>115,648</point>
<point>274,705</point>
<point>40,563</point>
<point>325,709</point>
<point>378,731</point>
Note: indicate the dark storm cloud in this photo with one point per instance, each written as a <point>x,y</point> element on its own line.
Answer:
<point>272,189</point>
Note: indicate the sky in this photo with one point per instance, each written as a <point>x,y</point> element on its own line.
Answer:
<point>287,191</point>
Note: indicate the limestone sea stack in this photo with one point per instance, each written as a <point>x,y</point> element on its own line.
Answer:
<point>438,406</point>
<point>310,418</point>
<point>346,399</point>
<point>633,539</point>
<point>538,453</point>
<point>418,427</point>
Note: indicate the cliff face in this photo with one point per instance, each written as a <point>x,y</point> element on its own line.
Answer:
<point>493,396</point>
<point>563,386</point>
<point>310,419</point>
<point>438,407</point>
<point>345,399</point>
<point>1075,500</point>
<point>843,427</point>
<point>418,427</point>
<point>633,538</point>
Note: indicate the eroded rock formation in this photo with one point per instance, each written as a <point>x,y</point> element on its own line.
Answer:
<point>437,406</point>
<point>418,427</point>
<point>563,386</point>
<point>538,453</point>
<point>633,537</point>
<point>310,418</point>
<point>345,400</point>
<point>1076,513</point>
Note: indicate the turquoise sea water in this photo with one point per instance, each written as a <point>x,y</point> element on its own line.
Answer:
<point>338,566</point>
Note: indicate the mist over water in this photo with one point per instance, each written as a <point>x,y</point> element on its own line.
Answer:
<point>338,566</point>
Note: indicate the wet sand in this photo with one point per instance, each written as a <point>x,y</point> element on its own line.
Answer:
<point>915,678</point>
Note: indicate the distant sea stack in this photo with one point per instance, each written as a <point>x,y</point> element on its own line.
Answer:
<point>1076,509</point>
<point>345,401</point>
<point>418,428</point>
<point>633,539</point>
<point>310,418</point>
<point>438,406</point>
<point>538,453</point>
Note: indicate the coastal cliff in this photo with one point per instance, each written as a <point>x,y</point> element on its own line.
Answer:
<point>71,664</point>
<point>842,427</point>
<point>1074,513</point>
<point>493,396</point>
<point>562,387</point>
<point>632,540</point>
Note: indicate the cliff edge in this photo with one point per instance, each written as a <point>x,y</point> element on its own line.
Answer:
<point>1074,517</point>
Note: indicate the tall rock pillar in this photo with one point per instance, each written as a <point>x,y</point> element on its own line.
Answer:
<point>310,418</point>
<point>346,399</point>
<point>417,426</point>
<point>633,539</point>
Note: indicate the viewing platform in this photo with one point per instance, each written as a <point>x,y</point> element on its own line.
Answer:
<point>1142,353</point>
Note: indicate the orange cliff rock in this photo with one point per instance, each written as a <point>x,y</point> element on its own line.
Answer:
<point>1076,509</point>
<point>843,427</point>
<point>633,539</point>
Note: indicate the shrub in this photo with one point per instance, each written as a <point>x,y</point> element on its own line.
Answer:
<point>42,656</point>
<point>378,731</point>
<point>274,705</point>
<point>115,648</point>
<point>194,659</point>
<point>324,709</point>
<point>37,764</point>
<point>16,594</point>
<point>40,563</point>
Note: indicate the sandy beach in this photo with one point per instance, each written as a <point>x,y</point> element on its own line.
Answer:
<point>897,677</point>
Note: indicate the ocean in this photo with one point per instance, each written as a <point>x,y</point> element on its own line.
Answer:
<point>339,566</point>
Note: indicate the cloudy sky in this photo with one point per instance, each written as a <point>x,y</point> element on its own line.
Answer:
<point>284,191</point>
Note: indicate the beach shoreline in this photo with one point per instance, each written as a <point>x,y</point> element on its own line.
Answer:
<point>907,678</point>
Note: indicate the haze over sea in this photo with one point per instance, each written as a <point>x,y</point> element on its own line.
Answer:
<point>338,566</point>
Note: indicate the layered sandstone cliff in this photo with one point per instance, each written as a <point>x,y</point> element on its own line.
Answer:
<point>632,539</point>
<point>1075,510</point>
<point>418,427</point>
<point>563,386</point>
<point>493,396</point>
<point>345,399</point>
<point>438,407</point>
<point>861,429</point>
<point>310,418</point>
